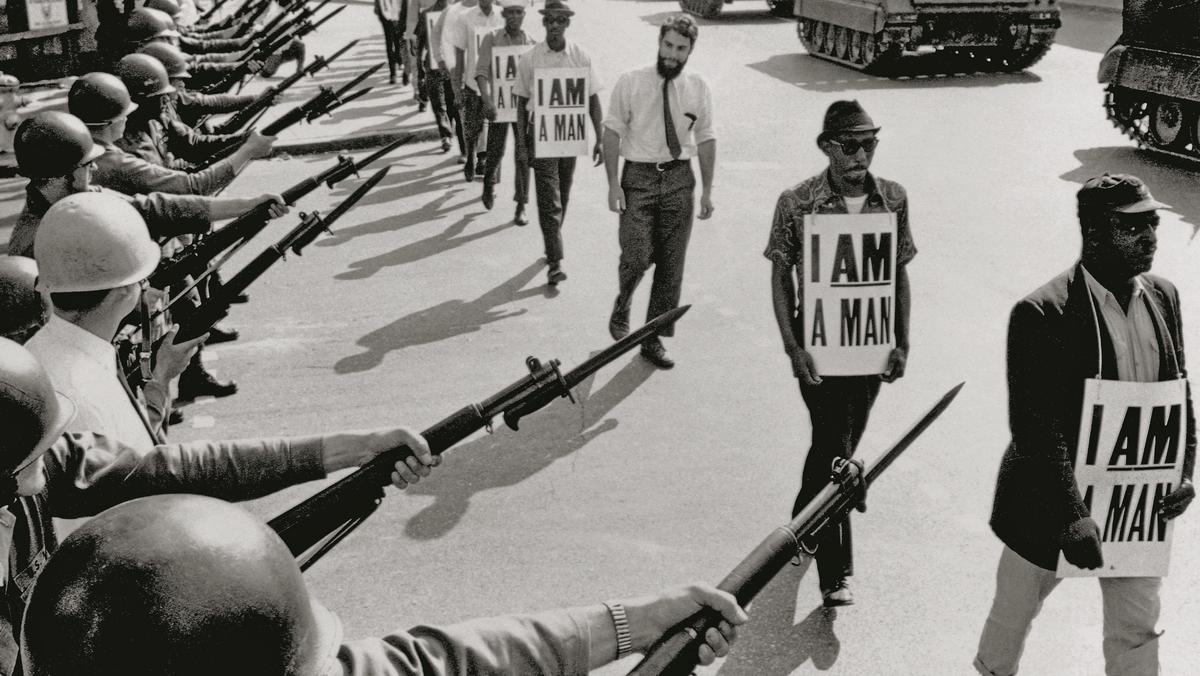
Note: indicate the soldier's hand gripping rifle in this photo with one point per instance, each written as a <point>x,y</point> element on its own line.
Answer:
<point>212,11</point>
<point>322,103</point>
<point>314,526</point>
<point>248,114</point>
<point>676,652</point>
<point>311,225</point>
<point>261,49</point>
<point>193,259</point>
<point>246,21</point>
<point>268,29</point>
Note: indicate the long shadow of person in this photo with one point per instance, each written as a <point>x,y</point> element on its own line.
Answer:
<point>450,238</point>
<point>402,189</point>
<point>442,321</point>
<point>509,457</point>
<point>772,643</point>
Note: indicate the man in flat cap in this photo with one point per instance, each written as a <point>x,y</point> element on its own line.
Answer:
<point>1104,319</point>
<point>838,406</point>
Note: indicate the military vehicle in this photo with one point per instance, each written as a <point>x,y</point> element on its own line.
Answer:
<point>873,35</point>
<point>711,9</point>
<point>1153,91</point>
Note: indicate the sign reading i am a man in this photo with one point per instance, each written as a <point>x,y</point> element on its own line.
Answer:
<point>1130,456</point>
<point>849,292</point>
<point>560,112</point>
<point>431,19</point>
<point>504,77</point>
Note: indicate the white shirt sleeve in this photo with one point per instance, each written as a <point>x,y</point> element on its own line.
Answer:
<point>618,115</point>
<point>703,130</point>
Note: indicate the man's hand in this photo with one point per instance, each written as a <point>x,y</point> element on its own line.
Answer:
<point>1081,544</point>
<point>254,66</point>
<point>897,359</point>
<point>803,366</point>
<point>489,109</point>
<point>706,205</point>
<point>172,358</point>
<point>353,449</point>
<point>650,617</point>
<point>1176,502</point>
<point>259,145</point>
<point>278,206</point>
<point>598,153</point>
<point>616,198</point>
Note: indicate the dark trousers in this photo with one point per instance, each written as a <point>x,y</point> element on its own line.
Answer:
<point>441,102</point>
<point>496,141</point>
<point>838,409</point>
<point>393,40</point>
<point>654,230</point>
<point>552,178</point>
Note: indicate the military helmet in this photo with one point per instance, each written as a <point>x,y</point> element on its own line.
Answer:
<point>170,7</point>
<point>144,76</point>
<point>52,144</point>
<point>99,98</point>
<point>22,308</point>
<point>34,414</point>
<point>92,241</point>
<point>171,57</point>
<point>176,585</point>
<point>145,24</point>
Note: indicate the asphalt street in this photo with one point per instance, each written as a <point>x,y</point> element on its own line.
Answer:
<point>421,301</point>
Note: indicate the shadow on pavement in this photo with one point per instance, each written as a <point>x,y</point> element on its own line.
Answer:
<point>450,238</point>
<point>444,320</point>
<point>1171,180</point>
<point>1088,29</point>
<point>772,643</point>
<point>813,74</point>
<point>509,457</point>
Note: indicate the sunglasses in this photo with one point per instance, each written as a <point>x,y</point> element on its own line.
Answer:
<point>851,146</point>
<point>1134,226</point>
<point>551,20</point>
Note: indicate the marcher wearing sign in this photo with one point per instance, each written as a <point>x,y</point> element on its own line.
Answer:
<point>469,30</point>
<point>1100,324</point>
<point>495,76</point>
<point>415,15</point>
<point>838,406</point>
<point>553,175</point>
<point>659,117</point>
<point>393,15</point>
<point>443,52</point>
<point>437,81</point>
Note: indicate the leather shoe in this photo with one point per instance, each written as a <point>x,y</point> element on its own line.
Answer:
<point>469,169</point>
<point>197,382</point>
<point>240,298</point>
<point>445,145</point>
<point>218,335</point>
<point>519,216</point>
<point>618,323</point>
<point>654,352</point>
<point>838,595</point>
<point>555,274</point>
<point>489,196</point>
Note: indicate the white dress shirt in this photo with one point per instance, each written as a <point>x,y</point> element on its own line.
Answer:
<point>83,366</point>
<point>635,113</point>
<point>470,24</point>
<point>1134,339</point>
<point>541,56</point>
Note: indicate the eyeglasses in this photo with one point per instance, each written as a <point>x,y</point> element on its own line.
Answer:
<point>851,146</point>
<point>1131,226</point>
<point>551,19</point>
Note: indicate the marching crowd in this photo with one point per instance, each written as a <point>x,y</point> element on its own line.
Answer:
<point>130,176</point>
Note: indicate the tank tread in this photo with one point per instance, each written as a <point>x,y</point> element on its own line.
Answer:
<point>1160,124</point>
<point>705,9</point>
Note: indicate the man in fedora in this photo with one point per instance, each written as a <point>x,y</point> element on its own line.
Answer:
<point>1104,318</point>
<point>838,406</point>
<point>553,176</point>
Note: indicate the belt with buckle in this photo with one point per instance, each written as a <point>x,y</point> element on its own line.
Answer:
<point>663,166</point>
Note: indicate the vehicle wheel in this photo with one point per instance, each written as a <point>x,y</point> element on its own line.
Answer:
<point>841,42</point>
<point>1166,122</point>
<point>856,47</point>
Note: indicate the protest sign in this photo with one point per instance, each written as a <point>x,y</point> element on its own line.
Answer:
<point>560,112</point>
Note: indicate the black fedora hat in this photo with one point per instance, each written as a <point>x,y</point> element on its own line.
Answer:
<point>557,7</point>
<point>845,116</point>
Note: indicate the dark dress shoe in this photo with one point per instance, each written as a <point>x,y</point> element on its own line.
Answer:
<point>618,323</point>
<point>240,298</point>
<point>519,216</point>
<point>654,352</point>
<point>555,274</point>
<point>489,196</point>
<point>838,595</point>
<point>469,169</point>
<point>195,383</point>
<point>445,145</point>
<point>218,335</point>
<point>175,417</point>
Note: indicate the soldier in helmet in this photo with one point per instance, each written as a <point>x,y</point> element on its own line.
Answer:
<point>121,596</point>
<point>145,26</point>
<point>22,309</point>
<point>103,103</point>
<point>47,473</point>
<point>192,105</point>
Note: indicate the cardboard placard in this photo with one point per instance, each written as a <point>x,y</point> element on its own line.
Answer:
<point>560,111</point>
<point>849,292</point>
<point>46,13</point>
<point>1130,455</point>
<point>504,77</point>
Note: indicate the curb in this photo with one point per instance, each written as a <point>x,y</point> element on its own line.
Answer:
<point>353,142</point>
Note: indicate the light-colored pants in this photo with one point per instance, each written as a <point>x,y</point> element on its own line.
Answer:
<point>1131,608</point>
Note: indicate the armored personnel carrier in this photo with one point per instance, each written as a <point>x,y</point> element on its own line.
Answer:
<point>1152,88</point>
<point>711,9</point>
<point>873,35</point>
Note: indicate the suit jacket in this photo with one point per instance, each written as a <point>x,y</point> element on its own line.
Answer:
<point>1052,350</point>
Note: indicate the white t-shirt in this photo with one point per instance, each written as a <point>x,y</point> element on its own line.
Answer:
<point>854,205</point>
<point>469,30</point>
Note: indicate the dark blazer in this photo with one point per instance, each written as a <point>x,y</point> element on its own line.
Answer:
<point>1052,350</point>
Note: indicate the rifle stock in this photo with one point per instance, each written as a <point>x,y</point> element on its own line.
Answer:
<point>676,652</point>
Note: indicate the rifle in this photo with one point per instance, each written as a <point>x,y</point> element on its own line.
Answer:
<point>296,31</point>
<point>316,525</point>
<point>251,17</point>
<point>238,16</point>
<point>267,29</point>
<point>211,11</point>
<point>193,259</point>
<point>284,35</point>
<point>323,102</point>
<point>257,107</point>
<point>675,653</point>
<point>311,225</point>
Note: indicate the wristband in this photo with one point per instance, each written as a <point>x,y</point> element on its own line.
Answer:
<point>621,625</point>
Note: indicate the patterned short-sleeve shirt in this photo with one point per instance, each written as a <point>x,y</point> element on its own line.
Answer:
<point>816,195</point>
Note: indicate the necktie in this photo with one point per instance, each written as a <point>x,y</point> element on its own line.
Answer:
<point>669,122</point>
